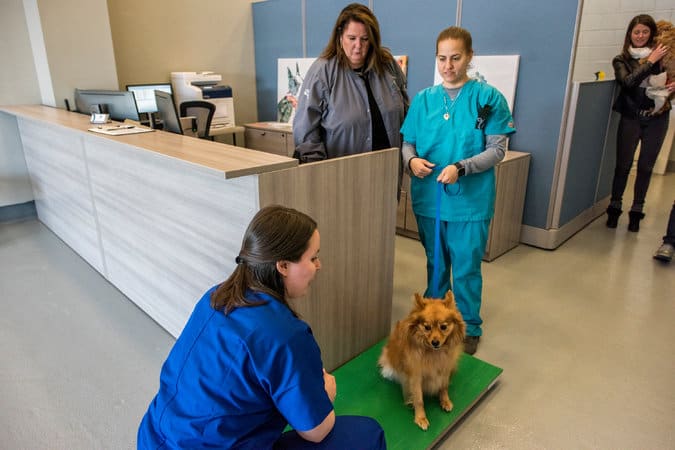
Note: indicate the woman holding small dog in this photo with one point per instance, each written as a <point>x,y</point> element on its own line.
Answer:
<point>644,103</point>
<point>245,365</point>
<point>454,135</point>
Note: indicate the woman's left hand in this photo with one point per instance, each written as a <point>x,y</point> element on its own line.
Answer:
<point>449,175</point>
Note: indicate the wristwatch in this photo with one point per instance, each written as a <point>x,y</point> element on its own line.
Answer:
<point>460,169</point>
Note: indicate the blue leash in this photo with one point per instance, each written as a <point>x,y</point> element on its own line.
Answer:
<point>437,242</point>
<point>440,187</point>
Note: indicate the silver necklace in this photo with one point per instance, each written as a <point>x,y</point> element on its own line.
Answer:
<point>446,116</point>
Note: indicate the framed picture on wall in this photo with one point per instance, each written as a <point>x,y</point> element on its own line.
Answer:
<point>290,75</point>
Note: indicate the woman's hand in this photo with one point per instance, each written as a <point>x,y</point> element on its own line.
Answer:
<point>329,385</point>
<point>449,175</point>
<point>659,52</point>
<point>420,167</point>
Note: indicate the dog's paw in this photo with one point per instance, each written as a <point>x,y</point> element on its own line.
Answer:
<point>446,404</point>
<point>422,421</point>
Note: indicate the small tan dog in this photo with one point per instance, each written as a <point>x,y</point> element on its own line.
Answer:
<point>422,352</point>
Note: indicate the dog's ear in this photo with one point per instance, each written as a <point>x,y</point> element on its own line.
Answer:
<point>419,301</point>
<point>449,300</point>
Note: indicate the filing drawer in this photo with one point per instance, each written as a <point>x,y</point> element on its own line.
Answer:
<point>267,141</point>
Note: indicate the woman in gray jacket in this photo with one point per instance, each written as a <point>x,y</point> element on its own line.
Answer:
<point>353,98</point>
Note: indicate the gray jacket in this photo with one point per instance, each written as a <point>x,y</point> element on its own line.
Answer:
<point>332,118</point>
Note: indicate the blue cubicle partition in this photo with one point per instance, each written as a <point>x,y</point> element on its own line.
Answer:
<point>321,16</point>
<point>542,33</point>
<point>278,33</point>
<point>415,34</point>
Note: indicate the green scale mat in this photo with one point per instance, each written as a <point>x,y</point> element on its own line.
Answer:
<point>362,391</point>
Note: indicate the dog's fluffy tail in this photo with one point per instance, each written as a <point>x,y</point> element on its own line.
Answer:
<point>386,370</point>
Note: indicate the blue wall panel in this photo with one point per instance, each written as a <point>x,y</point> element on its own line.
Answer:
<point>542,34</point>
<point>321,16</point>
<point>586,148</point>
<point>277,30</point>
<point>415,34</point>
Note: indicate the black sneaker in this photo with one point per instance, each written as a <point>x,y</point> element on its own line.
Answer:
<point>471,344</point>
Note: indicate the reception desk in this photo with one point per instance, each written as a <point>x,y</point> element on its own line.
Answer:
<point>161,216</point>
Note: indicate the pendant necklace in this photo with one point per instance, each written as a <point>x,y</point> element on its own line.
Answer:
<point>446,116</point>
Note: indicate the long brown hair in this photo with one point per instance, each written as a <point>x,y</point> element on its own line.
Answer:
<point>275,233</point>
<point>640,19</point>
<point>378,57</point>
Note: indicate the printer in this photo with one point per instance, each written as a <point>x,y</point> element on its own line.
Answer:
<point>204,86</point>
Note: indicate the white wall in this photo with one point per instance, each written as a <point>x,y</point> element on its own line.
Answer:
<point>602,31</point>
<point>79,46</point>
<point>18,85</point>
<point>47,49</point>
<point>603,28</point>
<point>153,38</point>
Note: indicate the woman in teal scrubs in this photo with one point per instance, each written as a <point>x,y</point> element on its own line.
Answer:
<point>245,366</point>
<point>454,135</point>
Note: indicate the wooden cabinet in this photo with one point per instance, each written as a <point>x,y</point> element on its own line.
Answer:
<point>511,178</point>
<point>270,137</point>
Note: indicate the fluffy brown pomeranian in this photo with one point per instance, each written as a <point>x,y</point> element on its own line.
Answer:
<point>422,352</point>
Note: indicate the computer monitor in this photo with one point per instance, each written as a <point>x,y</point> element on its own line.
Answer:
<point>167,112</point>
<point>145,95</point>
<point>120,104</point>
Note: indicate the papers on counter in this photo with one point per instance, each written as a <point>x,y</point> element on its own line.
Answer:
<point>119,130</point>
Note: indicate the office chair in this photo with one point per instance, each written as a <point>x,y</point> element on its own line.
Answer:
<point>203,111</point>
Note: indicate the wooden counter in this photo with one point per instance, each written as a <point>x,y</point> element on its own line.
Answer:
<point>161,216</point>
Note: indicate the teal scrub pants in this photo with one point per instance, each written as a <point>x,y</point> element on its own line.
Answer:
<point>462,247</point>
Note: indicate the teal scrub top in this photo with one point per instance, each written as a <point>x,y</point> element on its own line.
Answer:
<point>444,142</point>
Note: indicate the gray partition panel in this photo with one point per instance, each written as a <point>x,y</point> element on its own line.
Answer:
<point>415,35</point>
<point>542,33</point>
<point>277,29</point>
<point>609,158</point>
<point>594,102</point>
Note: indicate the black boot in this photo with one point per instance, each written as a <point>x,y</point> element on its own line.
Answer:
<point>613,216</point>
<point>634,219</point>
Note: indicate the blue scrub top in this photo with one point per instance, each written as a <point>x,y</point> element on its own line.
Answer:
<point>237,380</point>
<point>444,142</point>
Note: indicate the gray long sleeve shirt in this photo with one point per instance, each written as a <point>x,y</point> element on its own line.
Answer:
<point>333,117</point>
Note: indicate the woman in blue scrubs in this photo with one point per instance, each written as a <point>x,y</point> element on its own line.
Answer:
<point>245,366</point>
<point>454,134</point>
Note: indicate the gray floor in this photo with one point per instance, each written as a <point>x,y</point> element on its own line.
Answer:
<point>584,334</point>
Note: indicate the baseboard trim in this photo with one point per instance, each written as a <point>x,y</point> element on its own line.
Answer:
<point>18,212</point>
<point>552,238</point>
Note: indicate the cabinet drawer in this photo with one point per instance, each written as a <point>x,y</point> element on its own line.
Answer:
<point>267,141</point>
